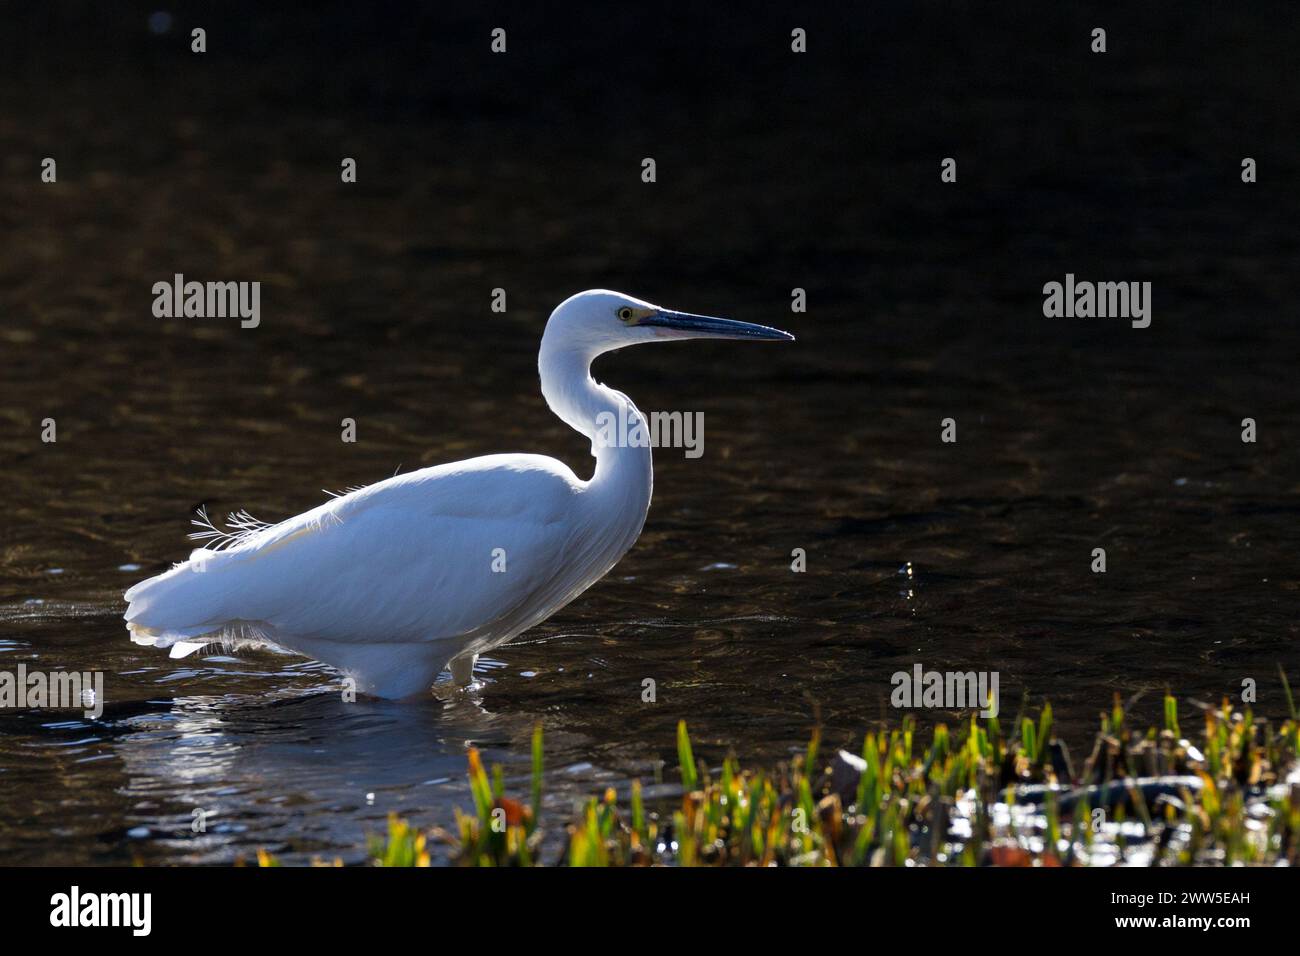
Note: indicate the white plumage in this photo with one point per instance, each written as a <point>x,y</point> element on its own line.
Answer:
<point>392,582</point>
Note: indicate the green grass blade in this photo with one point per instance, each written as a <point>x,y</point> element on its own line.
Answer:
<point>686,758</point>
<point>537,772</point>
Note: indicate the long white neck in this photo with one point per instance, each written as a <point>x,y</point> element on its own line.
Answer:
<point>624,471</point>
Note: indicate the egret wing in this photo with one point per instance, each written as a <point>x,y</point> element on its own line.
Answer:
<point>430,554</point>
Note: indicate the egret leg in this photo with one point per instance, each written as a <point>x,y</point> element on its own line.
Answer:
<point>462,669</point>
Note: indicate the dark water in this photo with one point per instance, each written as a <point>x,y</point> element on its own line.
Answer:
<point>523,172</point>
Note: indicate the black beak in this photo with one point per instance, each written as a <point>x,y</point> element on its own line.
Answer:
<point>707,327</point>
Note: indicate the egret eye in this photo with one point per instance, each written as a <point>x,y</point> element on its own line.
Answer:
<point>625,314</point>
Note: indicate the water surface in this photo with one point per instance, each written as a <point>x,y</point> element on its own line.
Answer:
<point>925,303</point>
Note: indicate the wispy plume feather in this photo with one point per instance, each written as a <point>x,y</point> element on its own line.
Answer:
<point>242,525</point>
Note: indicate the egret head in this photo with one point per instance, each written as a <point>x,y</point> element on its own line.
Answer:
<point>599,321</point>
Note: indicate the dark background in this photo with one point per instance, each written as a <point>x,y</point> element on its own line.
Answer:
<point>775,170</point>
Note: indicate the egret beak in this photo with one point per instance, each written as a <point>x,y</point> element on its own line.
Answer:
<point>686,326</point>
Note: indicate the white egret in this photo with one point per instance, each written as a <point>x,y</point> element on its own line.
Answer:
<point>392,582</point>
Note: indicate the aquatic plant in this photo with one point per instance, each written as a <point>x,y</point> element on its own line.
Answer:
<point>973,796</point>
